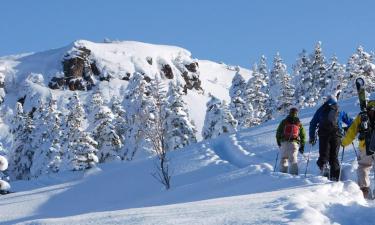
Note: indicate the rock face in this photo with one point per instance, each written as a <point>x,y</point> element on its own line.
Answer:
<point>167,71</point>
<point>81,72</point>
<point>78,70</point>
<point>190,73</point>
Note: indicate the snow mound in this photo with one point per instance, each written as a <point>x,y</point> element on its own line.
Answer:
<point>4,186</point>
<point>3,163</point>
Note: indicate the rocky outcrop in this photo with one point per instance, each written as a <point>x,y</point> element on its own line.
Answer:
<point>79,71</point>
<point>167,71</point>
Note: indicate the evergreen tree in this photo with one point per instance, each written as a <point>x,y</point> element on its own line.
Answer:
<point>180,130</point>
<point>22,150</point>
<point>264,106</point>
<point>136,102</point>
<point>303,81</point>
<point>318,68</point>
<point>47,136</point>
<point>241,110</point>
<point>360,64</point>
<point>255,100</point>
<point>285,99</point>
<point>81,148</point>
<point>119,118</point>
<point>238,85</point>
<point>335,77</point>
<point>104,130</point>
<point>218,119</point>
<point>109,142</point>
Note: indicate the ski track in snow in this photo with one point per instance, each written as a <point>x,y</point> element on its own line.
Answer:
<point>228,180</point>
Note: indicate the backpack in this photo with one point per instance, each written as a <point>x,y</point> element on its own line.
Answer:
<point>328,120</point>
<point>291,130</point>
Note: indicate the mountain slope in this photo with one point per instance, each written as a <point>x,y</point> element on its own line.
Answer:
<point>227,180</point>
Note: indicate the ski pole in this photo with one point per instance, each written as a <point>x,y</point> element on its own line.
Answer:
<point>308,160</point>
<point>355,150</point>
<point>277,157</point>
<point>342,158</point>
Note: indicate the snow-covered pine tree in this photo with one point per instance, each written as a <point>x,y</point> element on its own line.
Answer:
<point>104,130</point>
<point>119,118</point>
<point>180,130</point>
<point>238,85</point>
<point>47,136</point>
<point>218,120</point>
<point>241,110</point>
<point>318,68</point>
<point>80,147</point>
<point>265,73</point>
<point>22,150</point>
<point>109,142</point>
<point>360,64</point>
<point>136,102</point>
<point>256,99</point>
<point>335,76</point>
<point>286,97</point>
<point>303,81</point>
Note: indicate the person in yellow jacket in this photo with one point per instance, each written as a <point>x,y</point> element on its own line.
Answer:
<point>365,162</point>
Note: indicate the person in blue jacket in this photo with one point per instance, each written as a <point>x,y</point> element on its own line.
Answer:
<point>328,119</point>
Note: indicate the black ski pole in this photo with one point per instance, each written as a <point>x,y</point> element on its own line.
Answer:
<point>277,157</point>
<point>342,159</point>
<point>308,160</point>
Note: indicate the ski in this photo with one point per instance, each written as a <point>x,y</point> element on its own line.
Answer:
<point>360,85</point>
<point>363,132</point>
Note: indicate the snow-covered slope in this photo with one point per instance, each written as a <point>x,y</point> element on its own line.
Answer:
<point>227,180</point>
<point>30,74</point>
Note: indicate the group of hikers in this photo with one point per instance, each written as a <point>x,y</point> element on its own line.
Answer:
<point>327,124</point>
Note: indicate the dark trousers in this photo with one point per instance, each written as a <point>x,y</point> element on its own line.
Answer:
<point>329,147</point>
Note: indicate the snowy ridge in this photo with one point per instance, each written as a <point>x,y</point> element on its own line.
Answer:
<point>29,75</point>
<point>227,180</point>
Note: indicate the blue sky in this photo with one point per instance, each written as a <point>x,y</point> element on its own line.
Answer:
<point>236,32</point>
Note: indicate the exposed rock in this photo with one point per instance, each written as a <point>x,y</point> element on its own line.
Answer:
<point>78,71</point>
<point>126,77</point>
<point>147,78</point>
<point>192,67</point>
<point>191,81</point>
<point>149,60</point>
<point>167,71</point>
<point>57,83</point>
<point>22,100</point>
<point>95,69</point>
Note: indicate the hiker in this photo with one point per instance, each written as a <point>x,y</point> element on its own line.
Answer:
<point>365,162</point>
<point>328,120</point>
<point>290,137</point>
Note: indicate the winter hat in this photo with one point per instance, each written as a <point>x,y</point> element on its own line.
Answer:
<point>293,110</point>
<point>331,100</point>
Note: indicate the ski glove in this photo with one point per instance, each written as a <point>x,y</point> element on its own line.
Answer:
<point>301,149</point>
<point>278,143</point>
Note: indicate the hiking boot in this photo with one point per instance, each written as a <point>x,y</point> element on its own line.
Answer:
<point>283,169</point>
<point>325,170</point>
<point>293,169</point>
<point>366,192</point>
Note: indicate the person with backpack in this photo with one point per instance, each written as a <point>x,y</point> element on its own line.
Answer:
<point>366,143</point>
<point>328,120</point>
<point>290,138</point>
